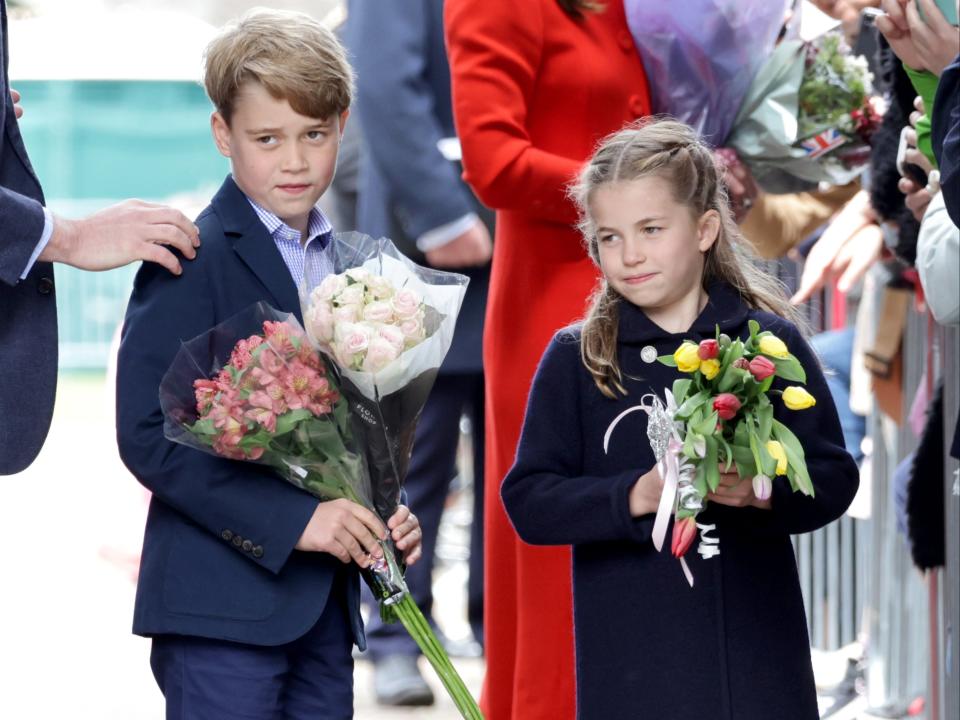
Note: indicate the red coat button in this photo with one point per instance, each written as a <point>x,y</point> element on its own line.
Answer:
<point>626,41</point>
<point>638,105</point>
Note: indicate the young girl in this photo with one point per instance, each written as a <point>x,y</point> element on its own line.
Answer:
<point>734,646</point>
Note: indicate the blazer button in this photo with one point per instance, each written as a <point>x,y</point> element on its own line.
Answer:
<point>247,546</point>
<point>45,285</point>
<point>257,551</point>
<point>237,541</point>
<point>227,535</point>
<point>625,39</point>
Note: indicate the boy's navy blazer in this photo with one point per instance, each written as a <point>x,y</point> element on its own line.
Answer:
<point>218,552</point>
<point>28,310</point>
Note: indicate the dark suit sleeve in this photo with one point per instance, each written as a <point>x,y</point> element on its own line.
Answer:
<point>547,497</point>
<point>21,217</point>
<point>217,494</point>
<point>834,473</point>
<point>395,103</point>
<point>946,137</point>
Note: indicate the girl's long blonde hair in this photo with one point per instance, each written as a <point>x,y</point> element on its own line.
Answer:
<point>672,151</point>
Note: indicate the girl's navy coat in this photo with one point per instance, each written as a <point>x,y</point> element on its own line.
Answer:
<point>733,647</point>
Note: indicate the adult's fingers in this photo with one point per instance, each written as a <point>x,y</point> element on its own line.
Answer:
<point>414,555</point>
<point>149,252</point>
<point>918,158</point>
<point>372,522</point>
<point>173,236</point>
<point>168,216</point>
<point>363,535</point>
<point>352,546</point>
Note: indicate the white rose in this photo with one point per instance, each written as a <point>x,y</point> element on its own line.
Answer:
<point>379,312</point>
<point>320,321</point>
<point>393,335</point>
<point>330,286</point>
<point>406,304</point>
<point>350,295</point>
<point>346,314</point>
<point>351,340</point>
<point>380,353</point>
<point>359,275</point>
<point>379,288</point>
<point>413,331</point>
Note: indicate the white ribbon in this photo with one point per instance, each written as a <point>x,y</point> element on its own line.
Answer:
<point>709,546</point>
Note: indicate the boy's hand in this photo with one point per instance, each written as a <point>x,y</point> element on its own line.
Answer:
<point>470,249</point>
<point>645,494</point>
<point>406,533</point>
<point>344,529</point>
<point>17,110</point>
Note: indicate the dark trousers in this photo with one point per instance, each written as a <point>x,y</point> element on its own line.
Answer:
<point>432,467</point>
<point>307,679</point>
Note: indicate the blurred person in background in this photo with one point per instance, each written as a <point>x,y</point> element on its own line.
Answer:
<point>32,239</point>
<point>409,191</point>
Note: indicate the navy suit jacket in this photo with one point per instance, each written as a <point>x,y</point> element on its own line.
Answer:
<point>28,311</point>
<point>197,576</point>
<point>946,137</point>
<point>406,186</point>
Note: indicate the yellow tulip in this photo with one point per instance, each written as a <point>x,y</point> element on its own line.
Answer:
<point>687,357</point>
<point>773,346</point>
<point>777,453</point>
<point>710,368</point>
<point>796,398</point>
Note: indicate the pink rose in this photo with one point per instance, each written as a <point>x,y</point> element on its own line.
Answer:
<point>380,353</point>
<point>379,288</point>
<point>406,304</point>
<point>378,311</point>
<point>393,335</point>
<point>359,275</point>
<point>351,339</point>
<point>346,315</point>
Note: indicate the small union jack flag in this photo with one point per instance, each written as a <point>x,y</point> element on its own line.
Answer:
<point>824,142</point>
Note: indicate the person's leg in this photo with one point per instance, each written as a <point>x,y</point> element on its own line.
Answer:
<point>320,681</point>
<point>835,349</point>
<point>475,580</point>
<point>204,679</point>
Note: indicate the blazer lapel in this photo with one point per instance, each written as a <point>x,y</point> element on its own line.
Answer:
<point>256,247</point>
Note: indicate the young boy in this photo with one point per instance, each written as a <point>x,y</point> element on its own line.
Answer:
<point>246,585</point>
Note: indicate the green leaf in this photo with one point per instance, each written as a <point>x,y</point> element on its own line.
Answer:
<point>727,452</point>
<point>789,369</point>
<point>754,329</point>
<point>667,360</point>
<point>688,450</point>
<point>712,463</point>
<point>680,389</point>
<point>700,480</point>
<point>261,438</point>
<point>203,427</point>
<point>289,420</point>
<point>708,425</point>
<point>691,404</point>
<point>743,457</point>
<point>795,456</point>
<point>765,385</point>
<point>764,421</point>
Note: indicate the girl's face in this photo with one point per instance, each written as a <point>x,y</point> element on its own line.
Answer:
<point>651,248</point>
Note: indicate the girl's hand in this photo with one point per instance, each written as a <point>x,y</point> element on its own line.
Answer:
<point>735,491</point>
<point>896,29</point>
<point>935,41</point>
<point>645,493</point>
<point>406,533</point>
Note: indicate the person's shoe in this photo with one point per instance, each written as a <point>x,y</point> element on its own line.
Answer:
<point>397,682</point>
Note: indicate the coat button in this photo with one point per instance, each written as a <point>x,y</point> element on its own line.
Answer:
<point>625,40</point>
<point>648,354</point>
<point>227,535</point>
<point>257,551</point>
<point>247,546</point>
<point>237,541</point>
<point>637,105</point>
<point>45,285</point>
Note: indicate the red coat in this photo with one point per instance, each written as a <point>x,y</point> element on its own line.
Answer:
<point>534,91</point>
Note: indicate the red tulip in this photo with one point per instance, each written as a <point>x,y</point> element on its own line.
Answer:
<point>762,368</point>
<point>708,349</point>
<point>684,531</point>
<point>726,405</point>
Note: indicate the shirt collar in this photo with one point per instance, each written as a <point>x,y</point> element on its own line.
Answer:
<point>318,224</point>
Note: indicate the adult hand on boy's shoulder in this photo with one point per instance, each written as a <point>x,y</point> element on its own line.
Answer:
<point>406,533</point>
<point>121,234</point>
<point>344,529</point>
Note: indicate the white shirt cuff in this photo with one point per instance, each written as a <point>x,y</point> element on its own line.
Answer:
<point>432,239</point>
<point>44,239</point>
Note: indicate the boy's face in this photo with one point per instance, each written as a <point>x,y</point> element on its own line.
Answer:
<point>282,160</point>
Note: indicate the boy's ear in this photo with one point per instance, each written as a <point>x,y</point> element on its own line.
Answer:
<point>221,133</point>
<point>708,229</point>
<point>343,121</point>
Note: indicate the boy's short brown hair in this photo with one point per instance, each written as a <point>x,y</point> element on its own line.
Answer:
<point>292,55</point>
